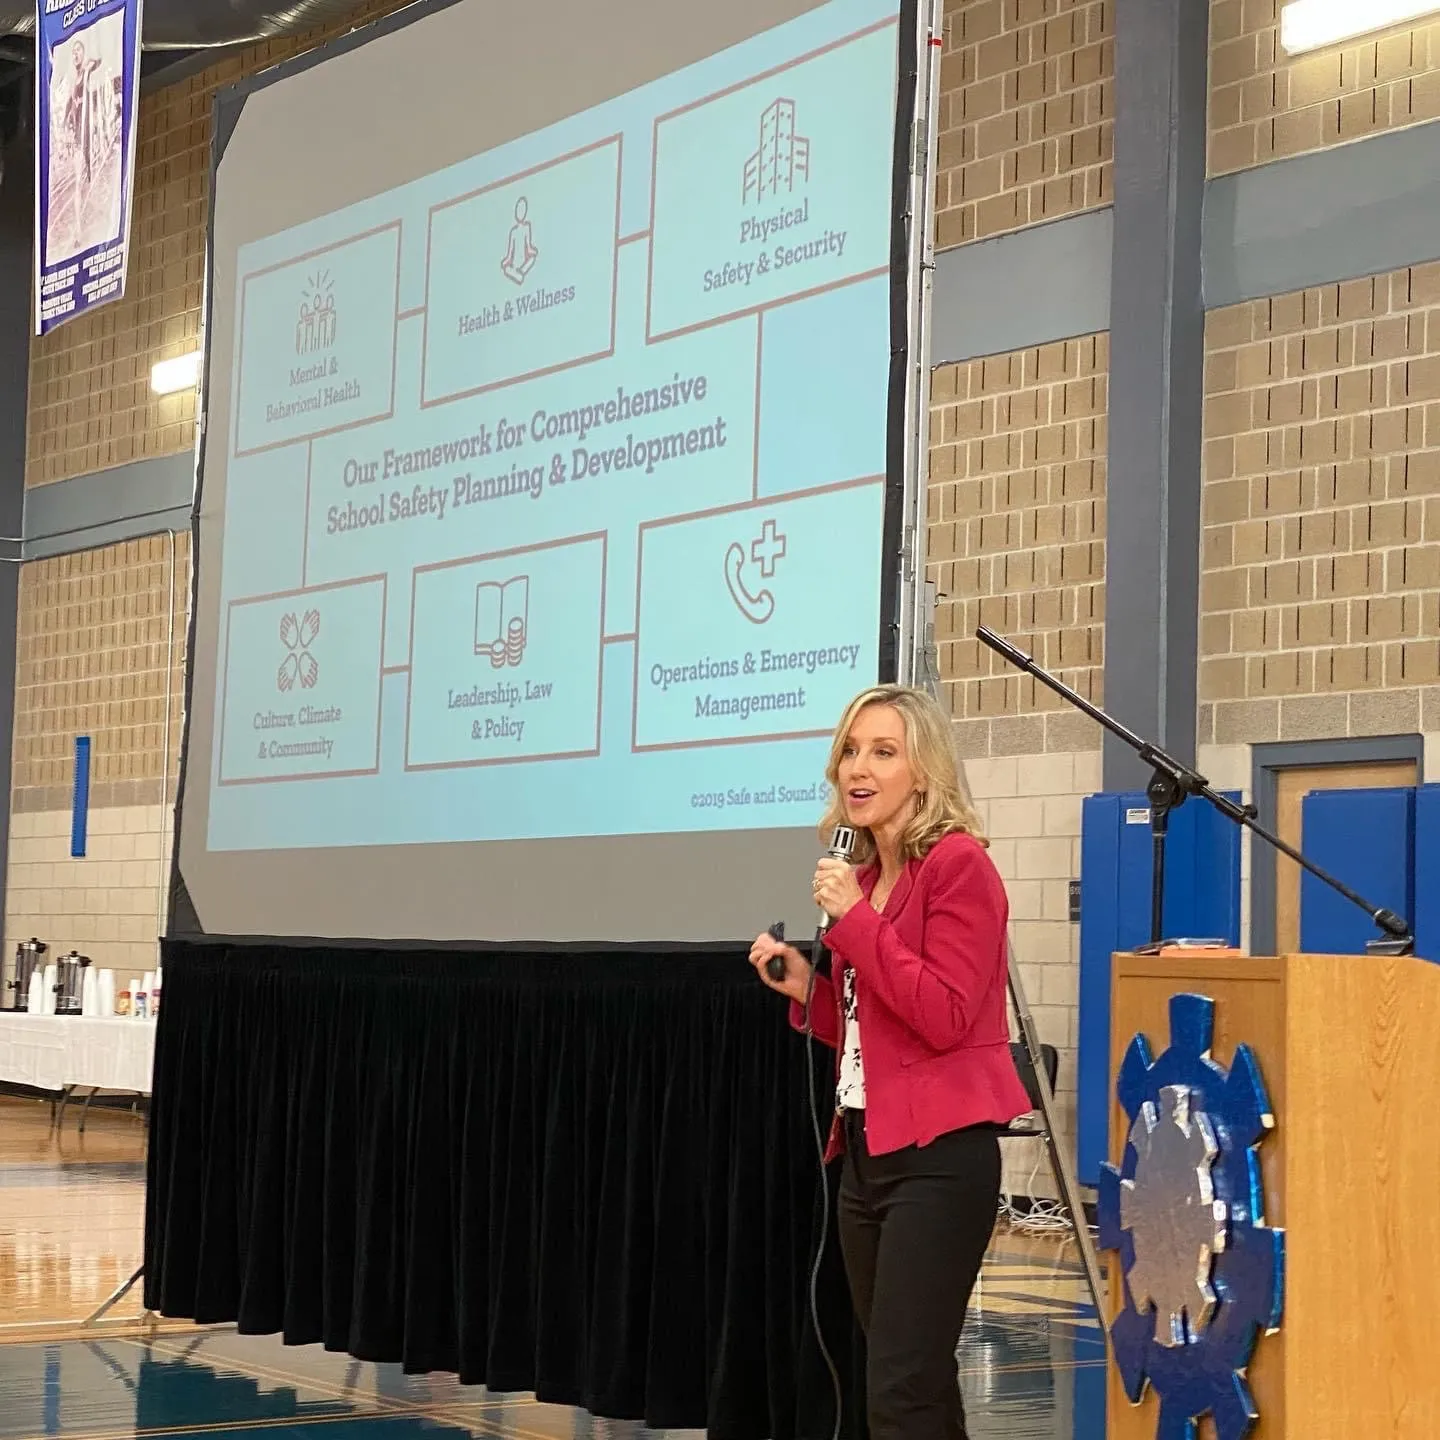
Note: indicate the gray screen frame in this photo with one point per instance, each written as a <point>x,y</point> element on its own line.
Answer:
<point>689,889</point>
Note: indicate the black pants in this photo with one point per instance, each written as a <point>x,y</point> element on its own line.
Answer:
<point>914,1227</point>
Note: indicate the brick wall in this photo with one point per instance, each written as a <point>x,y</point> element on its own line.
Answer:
<point>1026,107</point>
<point>1264,105</point>
<point>91,406</point>
<point>1320,585</point>
<point>100,653</point>
<point>1017,539</point>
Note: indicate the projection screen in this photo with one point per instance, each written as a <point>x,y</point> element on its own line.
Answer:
<point>550,467</point>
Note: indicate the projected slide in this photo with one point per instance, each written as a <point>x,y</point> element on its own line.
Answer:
<point>555,479</point>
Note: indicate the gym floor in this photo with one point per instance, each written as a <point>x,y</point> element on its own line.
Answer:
<point>71,1216</point>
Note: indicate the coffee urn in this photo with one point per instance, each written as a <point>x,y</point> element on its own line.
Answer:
<point>70,983</point>
<point>27,961</point>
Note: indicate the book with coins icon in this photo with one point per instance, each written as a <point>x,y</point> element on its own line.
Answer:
<point>502,618</point>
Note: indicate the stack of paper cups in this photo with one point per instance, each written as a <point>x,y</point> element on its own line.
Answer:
<point>90,993</point>
<point>37,993</point>
<point>107,993</point>
<point>51,976</point>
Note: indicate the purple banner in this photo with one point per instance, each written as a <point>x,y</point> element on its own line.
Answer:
<point>86,102</point>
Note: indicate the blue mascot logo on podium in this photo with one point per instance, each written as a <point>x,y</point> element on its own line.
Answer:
<point>1185,1214</point>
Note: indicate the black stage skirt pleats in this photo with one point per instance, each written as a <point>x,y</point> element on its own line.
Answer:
<point>587,1176</point>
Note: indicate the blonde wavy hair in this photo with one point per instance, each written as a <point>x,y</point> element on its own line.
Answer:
<point>944,805</point>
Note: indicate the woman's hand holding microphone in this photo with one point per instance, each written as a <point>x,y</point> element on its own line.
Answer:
<point>836,889</point>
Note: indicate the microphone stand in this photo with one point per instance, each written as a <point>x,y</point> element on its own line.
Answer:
<point>1171,783</point>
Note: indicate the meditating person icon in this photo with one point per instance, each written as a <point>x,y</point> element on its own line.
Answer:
<point>520,253</point>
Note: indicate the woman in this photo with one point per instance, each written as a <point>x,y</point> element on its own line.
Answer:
<point>916,1012</point>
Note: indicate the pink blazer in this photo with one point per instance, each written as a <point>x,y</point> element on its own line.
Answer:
<point>930,973</point>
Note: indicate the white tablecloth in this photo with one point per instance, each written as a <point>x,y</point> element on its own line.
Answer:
<point>50,1052</point>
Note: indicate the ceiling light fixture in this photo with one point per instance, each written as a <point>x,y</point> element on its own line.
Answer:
<point>1314,24</point>
<point>182,372</point>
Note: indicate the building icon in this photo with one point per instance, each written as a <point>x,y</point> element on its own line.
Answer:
<point>782,163</point>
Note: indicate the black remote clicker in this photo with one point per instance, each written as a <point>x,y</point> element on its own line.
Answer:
<point>775,965</point>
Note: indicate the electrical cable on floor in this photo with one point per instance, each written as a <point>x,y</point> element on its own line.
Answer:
<point>1043,1216</point>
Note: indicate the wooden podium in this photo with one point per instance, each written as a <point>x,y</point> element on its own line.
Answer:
<point>1349,1048</point>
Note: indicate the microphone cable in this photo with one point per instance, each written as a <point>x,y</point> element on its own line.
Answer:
<point>778,931</point>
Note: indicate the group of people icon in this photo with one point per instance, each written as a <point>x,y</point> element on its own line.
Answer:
<point>315,329</point>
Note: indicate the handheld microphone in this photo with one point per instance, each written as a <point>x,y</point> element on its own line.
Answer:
<point>842,847</point>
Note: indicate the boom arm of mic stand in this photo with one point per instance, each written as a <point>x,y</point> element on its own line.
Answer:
<point>1175,776</point>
